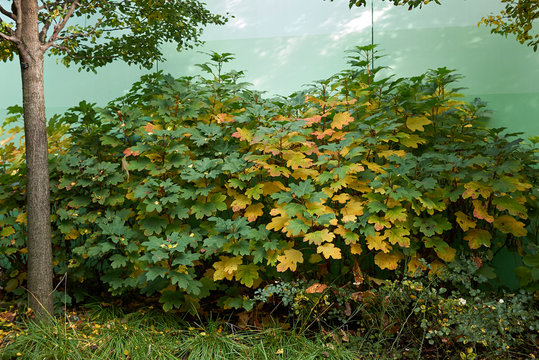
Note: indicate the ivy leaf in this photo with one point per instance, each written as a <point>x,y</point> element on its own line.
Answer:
<point>319,237</point>
<point>247,274</point>
<point>388,261</point>
<point>329,251</point>
<point>464,221</point>
<point>477,237</point>
<point>509,225</point>
<point>289,260</point>
<point>417,123</point>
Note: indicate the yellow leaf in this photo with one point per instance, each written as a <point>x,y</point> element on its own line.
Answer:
<point>447,253</point>
<point>296,159</point>
<point>226,268</point>
<point>374,167</point>
<point>305,174</point>
<point>254,211</point>
<point>411,140</point>
<point>289,260</point>
<point>240,202</point>
<point>341,198</point>
<point>377,243</point>
<point>509,225</point>
<point>388,153</point>
<point>480,211</point>
<point>329,251</point>
<point>353,208</point>
<point>474,189</point>
<point>388,261</point>
<point>21,218</point>
<point>73,234</point>
<point>243,134</point>
<point>478,237</point>
<point>415,267</point>
<point>341,119</point>
<point>278,222</point>
<point>318,237</point>
<point>398,235</point>
<point>271,187</point>
<point>417,123</point>
<point>356,249</point>
<point>464,221</point>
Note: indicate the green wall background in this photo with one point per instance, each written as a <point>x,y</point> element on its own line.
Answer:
<point>284,44</point>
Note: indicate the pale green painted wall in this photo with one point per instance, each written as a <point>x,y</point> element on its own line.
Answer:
<point>283,44</point>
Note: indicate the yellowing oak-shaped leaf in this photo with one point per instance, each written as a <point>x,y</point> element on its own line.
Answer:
<point>379,222</point>
<point>305,174</point>
<point>512,205</point>
<point>464,221</point>
<point>254,211</point>
<point>478,237</point>
<point>415,266</point>
<point>319,237</point>
<point>341,198</point>
<point>374,167</point>
<point>341,119</point>
<point>480,211</point>
<point>289,260</point>
<point>417,123</point>
<point>296,159</point>
<point>474,189</point>
<point>353,208</point>
<point>388,261</point>
<point>442,249</point>
<point>356,249</point>
<point>247,274</point>
<point>254,192</point>
<point>398,235</point>
<point>509,225</point>
<point>349,236</point>
<point>226,268</point>
<point>7,231</point>
<point>271,187</point>
<point>378,242</point>
<point>243,134</point>
<point>278,222</point>
<point>240,202</point>
<point>388,153</point>
<point>411,140</point>
<point>21,218</point>
<point>329,251</point>
<point>322,134</point>
<point>396,214</point>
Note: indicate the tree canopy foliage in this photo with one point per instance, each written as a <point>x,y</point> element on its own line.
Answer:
<point>516,18</point>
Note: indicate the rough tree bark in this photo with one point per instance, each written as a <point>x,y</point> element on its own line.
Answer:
<point>37,189</point>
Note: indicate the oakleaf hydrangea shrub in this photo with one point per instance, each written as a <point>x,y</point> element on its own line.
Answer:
<point>196,186</point>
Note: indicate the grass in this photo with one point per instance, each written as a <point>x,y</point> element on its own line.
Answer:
<point>108,333</point>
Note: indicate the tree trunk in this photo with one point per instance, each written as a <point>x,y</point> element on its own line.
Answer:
<point>37,188</point>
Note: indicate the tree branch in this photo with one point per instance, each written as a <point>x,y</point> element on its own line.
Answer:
<point>7,13</point>
<point>62,24</point>
<point>11,38</point>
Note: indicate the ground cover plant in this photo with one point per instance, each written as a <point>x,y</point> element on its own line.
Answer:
<point>200,193</point>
